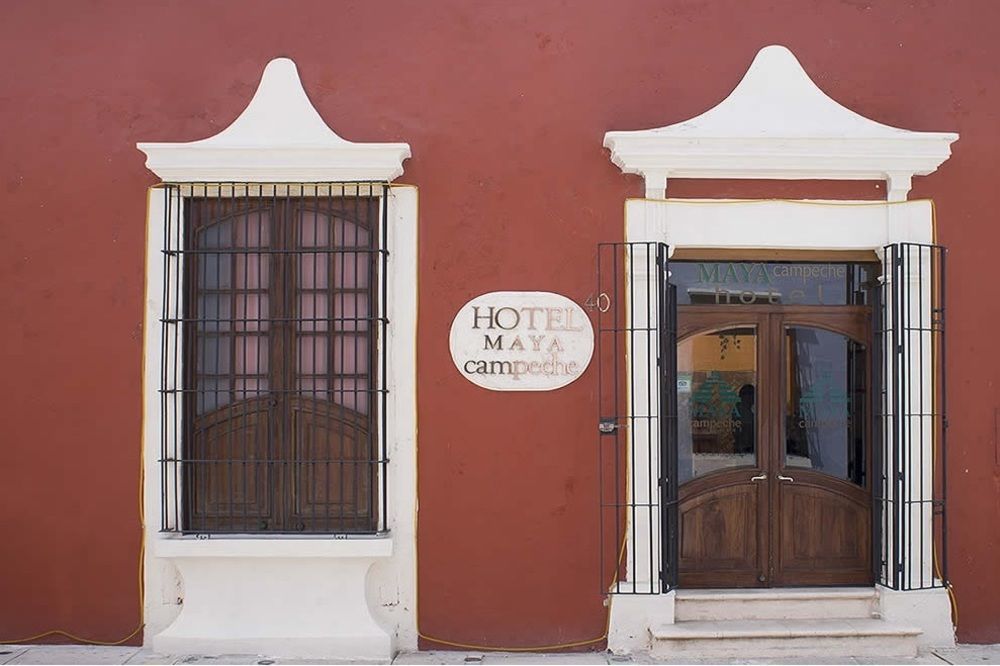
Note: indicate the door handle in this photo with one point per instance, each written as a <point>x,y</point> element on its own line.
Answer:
<point>785,478</point>
<point>759,477</point>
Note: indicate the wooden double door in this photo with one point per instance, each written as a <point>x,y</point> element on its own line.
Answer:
<point>773,446</point>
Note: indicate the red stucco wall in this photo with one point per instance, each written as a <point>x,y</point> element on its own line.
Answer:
<point>505,105</point>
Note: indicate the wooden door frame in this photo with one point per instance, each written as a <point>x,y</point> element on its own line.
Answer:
<point>770,321</point>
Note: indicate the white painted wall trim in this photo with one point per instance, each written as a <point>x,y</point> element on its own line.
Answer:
<point>777,124</point>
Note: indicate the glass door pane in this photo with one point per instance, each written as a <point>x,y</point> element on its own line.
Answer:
<point>825,394</point>
<point>716,388</point>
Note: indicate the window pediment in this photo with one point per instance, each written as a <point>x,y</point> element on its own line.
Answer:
<point>777,124</point>
<point>279,137</point>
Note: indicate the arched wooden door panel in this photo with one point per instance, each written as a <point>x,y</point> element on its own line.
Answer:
<point>822,495</point>
<point>230,477</point>
<point>823,536</point>
<point>334,472</point>
<point>722,504</point>
<point>723,531</point>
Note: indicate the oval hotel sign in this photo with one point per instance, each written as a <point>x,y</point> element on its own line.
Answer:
<point>521,341</point>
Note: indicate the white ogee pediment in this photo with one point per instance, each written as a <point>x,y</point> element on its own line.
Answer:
<point>279,137</point>
<point>777,123</point>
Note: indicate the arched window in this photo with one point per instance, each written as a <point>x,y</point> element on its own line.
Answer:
<point>280,383</point>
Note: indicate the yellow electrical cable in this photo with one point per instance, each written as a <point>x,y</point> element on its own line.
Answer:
<point>142,507</point>
<point>607,625</point>
<point>934,560</point>
<point>621,553</point>
<point>142,554</point>
<point>543,648</point>
<point>536,648</point>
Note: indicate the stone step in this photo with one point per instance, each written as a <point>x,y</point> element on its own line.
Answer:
<point>776,604</point>
<point>752,639</point>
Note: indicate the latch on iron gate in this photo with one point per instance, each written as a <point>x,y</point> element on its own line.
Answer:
<point>607,426</point>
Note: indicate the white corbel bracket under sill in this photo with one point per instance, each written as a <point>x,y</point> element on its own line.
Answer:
<point>288,597</point>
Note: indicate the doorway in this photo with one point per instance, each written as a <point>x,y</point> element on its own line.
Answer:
<point>774,445</point>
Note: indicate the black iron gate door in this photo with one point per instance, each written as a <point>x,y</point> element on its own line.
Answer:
<point>637,394</point>
<point>910,455</point>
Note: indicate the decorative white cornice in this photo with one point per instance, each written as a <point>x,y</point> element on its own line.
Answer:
<point>778,124</point>
<point>279,137</point>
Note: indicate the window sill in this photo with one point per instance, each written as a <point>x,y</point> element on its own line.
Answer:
<point>259,547</point>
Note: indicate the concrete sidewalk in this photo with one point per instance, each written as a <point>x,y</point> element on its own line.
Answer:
<point>80,654</point>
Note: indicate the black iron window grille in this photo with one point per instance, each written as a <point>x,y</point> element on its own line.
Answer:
<point>910,522</point>
<point>636,351</point>
<point>273,391</point>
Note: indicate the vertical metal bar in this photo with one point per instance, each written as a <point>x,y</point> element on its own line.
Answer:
<point>275,401</point>
<point>600,435</point>
<point>164,336</point>
<point>361,470</point>
<point>382,314</point>
<point>286,236</point>
<point>662,425</point>
<point>883,360</point>
<point>888,355</point>
<point>875,420</point>
<point>899,416</point>
<point>232,292</point>
<point>618,320</point>
<point>906,447</point>
<point>668,424</point>
<point>182,401</point>
<point>177,261</point>
<point>922,419</point>
<point>599,344</point>
<point>942,368</point>
<point>631,401</point>
<point>651,293</point>
<point>331,335</point>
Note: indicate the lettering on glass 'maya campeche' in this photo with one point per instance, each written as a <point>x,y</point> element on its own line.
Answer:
<point>749,283</point>
<point>521,341</point>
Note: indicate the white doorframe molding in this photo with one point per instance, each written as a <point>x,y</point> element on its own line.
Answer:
<point>781,225</point>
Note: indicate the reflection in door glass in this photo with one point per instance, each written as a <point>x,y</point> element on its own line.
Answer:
<point>716,387</point>
<point>825,403</point>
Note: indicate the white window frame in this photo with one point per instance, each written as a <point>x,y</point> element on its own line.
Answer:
<point>280,595</point>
